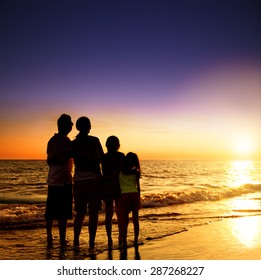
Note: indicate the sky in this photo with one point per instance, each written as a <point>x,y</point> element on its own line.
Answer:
<point>171,78</point>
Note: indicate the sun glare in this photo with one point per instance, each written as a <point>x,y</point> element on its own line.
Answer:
<point>244,147</point>
<point>239,172</point>
<point>246,230</point>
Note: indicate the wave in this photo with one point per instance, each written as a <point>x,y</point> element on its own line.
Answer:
<point>20,185</point>
<point>19,214</point>
<point>189,196</point>
<point>23,200</point>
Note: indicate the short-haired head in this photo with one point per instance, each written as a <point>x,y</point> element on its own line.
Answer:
<point>113,143</point>
<point>64,124</point>
<point>83,125</point>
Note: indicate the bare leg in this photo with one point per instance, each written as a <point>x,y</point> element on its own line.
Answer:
<point>78,221</point>
<point>118,214</point>
<point>62,225</point>
<point>49,227</point>
<point>124,222</point>
<point>108,220</point>
<point>135,220</point>
<point>93,223</point>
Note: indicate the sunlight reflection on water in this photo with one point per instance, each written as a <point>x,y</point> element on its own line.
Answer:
<point>239,172</point>
<point>246,230</point>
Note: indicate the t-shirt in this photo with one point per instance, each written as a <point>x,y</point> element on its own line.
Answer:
<point>128,183</point>
<point>87,156</point>
<point>58,151</point>
<point>111,164</point>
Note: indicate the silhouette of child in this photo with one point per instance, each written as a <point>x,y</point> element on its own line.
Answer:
<point>129,201</point>
<point>111,163</point>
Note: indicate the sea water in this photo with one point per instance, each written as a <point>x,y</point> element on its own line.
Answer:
<point>176,195</point>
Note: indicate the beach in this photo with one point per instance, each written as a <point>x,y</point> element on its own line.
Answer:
<point>228,239</point>
<point>225,249</point>
<point>191,210</point>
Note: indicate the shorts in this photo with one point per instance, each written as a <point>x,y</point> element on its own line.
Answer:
<point>129,202</point>
<point>111,190</point>
<point>87,196</point>
<point>59,203</point>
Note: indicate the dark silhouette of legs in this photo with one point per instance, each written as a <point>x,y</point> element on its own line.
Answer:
<point>135,220</point>
<point>49,227</point>
<point>93,223</point>
<point>108,220</point>
<point>78,221</point>
<point>124,222</point>
<point>62,225</point>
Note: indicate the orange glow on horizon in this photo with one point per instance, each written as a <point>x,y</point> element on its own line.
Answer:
<point>148,146</point>
<point>216,116</point>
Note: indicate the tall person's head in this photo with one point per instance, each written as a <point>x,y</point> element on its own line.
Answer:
<point>64,124</point>
<point>83,125</point>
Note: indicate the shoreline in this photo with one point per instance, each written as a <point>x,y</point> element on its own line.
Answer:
<point>228,239</point>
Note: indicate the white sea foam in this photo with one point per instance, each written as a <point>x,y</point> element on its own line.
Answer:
<point>164,184</point>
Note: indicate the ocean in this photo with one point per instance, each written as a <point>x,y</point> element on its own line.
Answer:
<point>176,196</point>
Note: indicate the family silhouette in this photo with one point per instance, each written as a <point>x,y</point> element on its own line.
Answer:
<point>110,179</point>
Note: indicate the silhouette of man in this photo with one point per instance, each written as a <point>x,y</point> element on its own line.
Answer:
<point>59,198</point>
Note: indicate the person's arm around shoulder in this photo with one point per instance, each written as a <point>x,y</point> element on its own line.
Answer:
<point>138,185</point>
<point>138,188</point>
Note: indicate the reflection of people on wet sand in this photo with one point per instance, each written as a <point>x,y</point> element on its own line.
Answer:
<point>130,197</point>
<point>87,179</point>
<point>124,254</point>
<point>59,198</point>
<point>111,163</point>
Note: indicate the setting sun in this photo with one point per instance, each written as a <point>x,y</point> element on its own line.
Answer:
<point>244,146</point>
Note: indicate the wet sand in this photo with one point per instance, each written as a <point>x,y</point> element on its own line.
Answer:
<point>228,239</point>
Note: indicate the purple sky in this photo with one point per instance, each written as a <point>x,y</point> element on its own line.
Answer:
<point>124,61</point>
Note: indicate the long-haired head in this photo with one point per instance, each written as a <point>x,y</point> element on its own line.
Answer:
<point>131,164</point>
